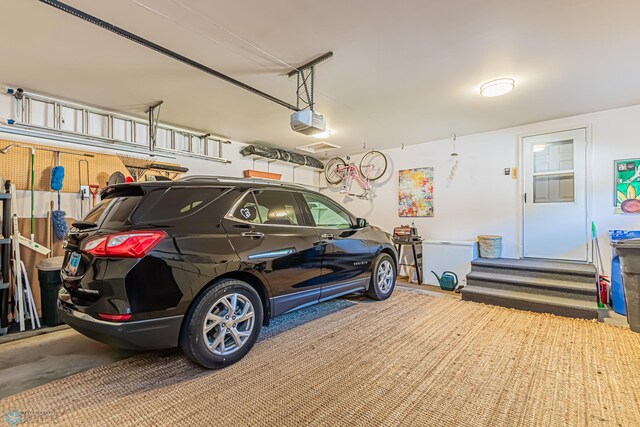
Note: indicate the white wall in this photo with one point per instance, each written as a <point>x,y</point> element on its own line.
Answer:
<point>481,200</point>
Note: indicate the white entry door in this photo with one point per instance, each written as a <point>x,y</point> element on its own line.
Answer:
<point>555,196</point>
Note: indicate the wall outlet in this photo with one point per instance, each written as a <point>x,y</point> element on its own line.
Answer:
<point>507,171</point>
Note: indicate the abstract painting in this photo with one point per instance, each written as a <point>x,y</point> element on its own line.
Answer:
<point>627,186</point>
<point>415,192</point>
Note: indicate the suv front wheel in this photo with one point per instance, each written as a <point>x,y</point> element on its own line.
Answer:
<point>383,278</point>
<point>223,324</point>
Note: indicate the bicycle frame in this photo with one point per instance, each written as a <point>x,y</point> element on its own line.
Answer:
<point>349,173</point>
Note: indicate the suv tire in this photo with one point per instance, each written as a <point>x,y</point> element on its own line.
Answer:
<point>383,278</point>
<point>213,335</point>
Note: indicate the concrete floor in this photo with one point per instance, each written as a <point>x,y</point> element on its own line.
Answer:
<point>36,360</point>
<point>41,358</point>
<point>612,318</point>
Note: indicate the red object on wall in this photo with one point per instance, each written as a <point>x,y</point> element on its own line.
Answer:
<point>604,289</point>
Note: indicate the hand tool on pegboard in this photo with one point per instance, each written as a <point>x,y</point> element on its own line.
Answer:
<point>94,189</point>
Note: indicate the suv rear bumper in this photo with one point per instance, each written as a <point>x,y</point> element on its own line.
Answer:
<point>152,334</point>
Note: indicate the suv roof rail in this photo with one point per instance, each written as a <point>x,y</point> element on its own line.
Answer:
<point>198,178</point>
<point>229,179</point>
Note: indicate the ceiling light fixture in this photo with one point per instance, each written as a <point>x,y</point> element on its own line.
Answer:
<point>497,87</point>
<point>326,134</point>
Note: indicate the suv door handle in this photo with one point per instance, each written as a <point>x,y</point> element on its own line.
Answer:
<point>328,236</point>
<point>253,234</point>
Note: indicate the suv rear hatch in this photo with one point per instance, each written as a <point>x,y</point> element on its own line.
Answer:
<point>82,272</point>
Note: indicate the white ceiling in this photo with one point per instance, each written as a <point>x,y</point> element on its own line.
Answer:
<point>402,72</point>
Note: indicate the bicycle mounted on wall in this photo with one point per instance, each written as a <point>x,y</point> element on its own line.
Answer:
<point>372,166</point>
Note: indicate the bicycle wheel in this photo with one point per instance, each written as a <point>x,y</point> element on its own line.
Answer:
<point>373,165</point>
<point>331,172</point>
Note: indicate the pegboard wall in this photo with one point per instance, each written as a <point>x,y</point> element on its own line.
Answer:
<point>15,165</point>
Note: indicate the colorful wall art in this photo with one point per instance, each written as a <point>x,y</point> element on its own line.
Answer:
<point>627,186</point>
<point>415,194</point>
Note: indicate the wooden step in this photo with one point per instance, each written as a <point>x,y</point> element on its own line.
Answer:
<point>534,285</point>
<point>568,307</point>
<point>543,269</point>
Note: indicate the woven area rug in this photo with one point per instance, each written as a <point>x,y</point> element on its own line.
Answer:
<point>413,360</point>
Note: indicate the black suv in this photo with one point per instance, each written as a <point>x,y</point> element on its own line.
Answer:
<point>202,263</point>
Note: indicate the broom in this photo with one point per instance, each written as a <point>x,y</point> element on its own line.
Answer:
<point>595,250</point>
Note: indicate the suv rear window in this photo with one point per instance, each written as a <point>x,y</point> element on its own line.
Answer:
<point>113,212</point>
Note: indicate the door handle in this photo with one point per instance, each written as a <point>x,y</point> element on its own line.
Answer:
<point>253,234</point>
<point>328,236</point>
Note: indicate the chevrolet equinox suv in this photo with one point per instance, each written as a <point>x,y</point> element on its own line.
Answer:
<point>204,262</point>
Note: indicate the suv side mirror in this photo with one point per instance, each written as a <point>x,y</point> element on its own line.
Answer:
<point>361,223</point>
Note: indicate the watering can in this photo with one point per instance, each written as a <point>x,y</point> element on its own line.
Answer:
<point>448,281</point>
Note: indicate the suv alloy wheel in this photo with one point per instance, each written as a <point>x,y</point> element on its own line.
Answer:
<point>223,324</point>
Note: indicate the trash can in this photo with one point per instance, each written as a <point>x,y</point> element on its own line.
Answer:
<point>49,278</point>
<point>629,252</point>
<point>617,287</point>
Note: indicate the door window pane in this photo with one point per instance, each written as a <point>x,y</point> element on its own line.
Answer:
<point>553,188</point>
<point>553,156</point>
<point>326,214</point>
<point>278,207</point>
<point>247,210</point>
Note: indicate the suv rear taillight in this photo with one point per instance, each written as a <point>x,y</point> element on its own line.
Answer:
<point>131,244</point>
<point>115,317</point>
